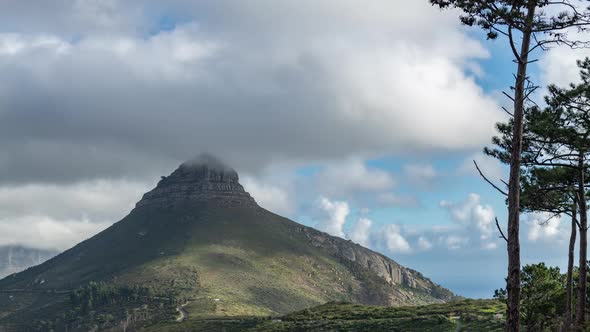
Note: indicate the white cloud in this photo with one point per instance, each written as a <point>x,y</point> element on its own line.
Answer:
<point>461,212</point>
<point>393,240</point>
<point>59,216</point>
<point>484,220</point>
<point>336,211</point>
<point>476,217</point>
<point>559,65</point>
<point>98,200</point>
<point>12,44</point>
<point>544,227</point>
<point>361,232</point>
<point>47,233</point>
<point>350,176</point>
<point>424,243</point>
<point>271,197</point>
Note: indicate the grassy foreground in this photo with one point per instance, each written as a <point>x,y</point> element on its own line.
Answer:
<point>464,315</point>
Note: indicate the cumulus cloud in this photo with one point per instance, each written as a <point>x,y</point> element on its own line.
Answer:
<point>484,220</point>
<point>361,232</point>
<point>559,66</point>
<point>269,196</point>
<point>336,213</point>
<point>388,238</point>
<point>393,240</point>
<point>544,227</point>
<point>476,217</point>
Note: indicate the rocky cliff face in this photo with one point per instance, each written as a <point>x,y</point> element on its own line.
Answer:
<point>387,269</point>
<point>201,180</point>
<point>17,258</point>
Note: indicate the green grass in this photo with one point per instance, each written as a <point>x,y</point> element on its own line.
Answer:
<point>465,315</point>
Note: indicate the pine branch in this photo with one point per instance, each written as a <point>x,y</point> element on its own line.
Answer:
<point>502,236</point>
<point>488,181</point>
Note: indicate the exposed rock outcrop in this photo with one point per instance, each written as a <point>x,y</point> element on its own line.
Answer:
<point>201,180</point>
<point>365,259</point>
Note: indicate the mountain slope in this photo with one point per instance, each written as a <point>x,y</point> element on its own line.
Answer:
<point>198,237</point>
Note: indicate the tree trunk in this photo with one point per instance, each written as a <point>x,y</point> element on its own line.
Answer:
<point>513,283</point>
<point>581,305</point>
<point>570,270</point>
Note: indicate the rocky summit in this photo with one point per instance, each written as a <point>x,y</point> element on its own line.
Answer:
<point>198,246</point>
<point>204,179</point>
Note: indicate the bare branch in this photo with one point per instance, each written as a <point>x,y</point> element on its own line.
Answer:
<point>513,46</point>
<point>507,95</point>
<point>488,181</point>
<point>549,219</point>
<point>502,236</point>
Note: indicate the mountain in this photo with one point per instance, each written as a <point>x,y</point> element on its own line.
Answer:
<point>198,245</point>
<point>17,258</point>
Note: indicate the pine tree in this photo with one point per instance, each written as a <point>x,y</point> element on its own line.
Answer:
<point>527,19</point>
<point>556,146</point>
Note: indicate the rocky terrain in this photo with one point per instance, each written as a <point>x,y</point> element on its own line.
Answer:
<point>387,269</point>
<point>203,179</point>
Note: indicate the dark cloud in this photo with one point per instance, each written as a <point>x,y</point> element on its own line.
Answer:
<point>255,84</point>
<point>120,92</point>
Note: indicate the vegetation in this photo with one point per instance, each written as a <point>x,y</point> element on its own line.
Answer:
<point>216,262</point>
<point>543,297</point>
<point>556,146</point>
<point>529,21</point>
<point>97,294</point>
<point>465,315</point>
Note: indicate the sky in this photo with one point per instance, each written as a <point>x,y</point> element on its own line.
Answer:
<point>358,118</point>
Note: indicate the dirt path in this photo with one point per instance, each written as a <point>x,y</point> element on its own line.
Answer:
<point>457,319</point>
<point>183,313</point>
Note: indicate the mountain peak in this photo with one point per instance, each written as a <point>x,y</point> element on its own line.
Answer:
<point>208,161</point>
<point>204,179</point>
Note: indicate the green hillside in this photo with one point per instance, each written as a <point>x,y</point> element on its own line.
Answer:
<point>465,315</point>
